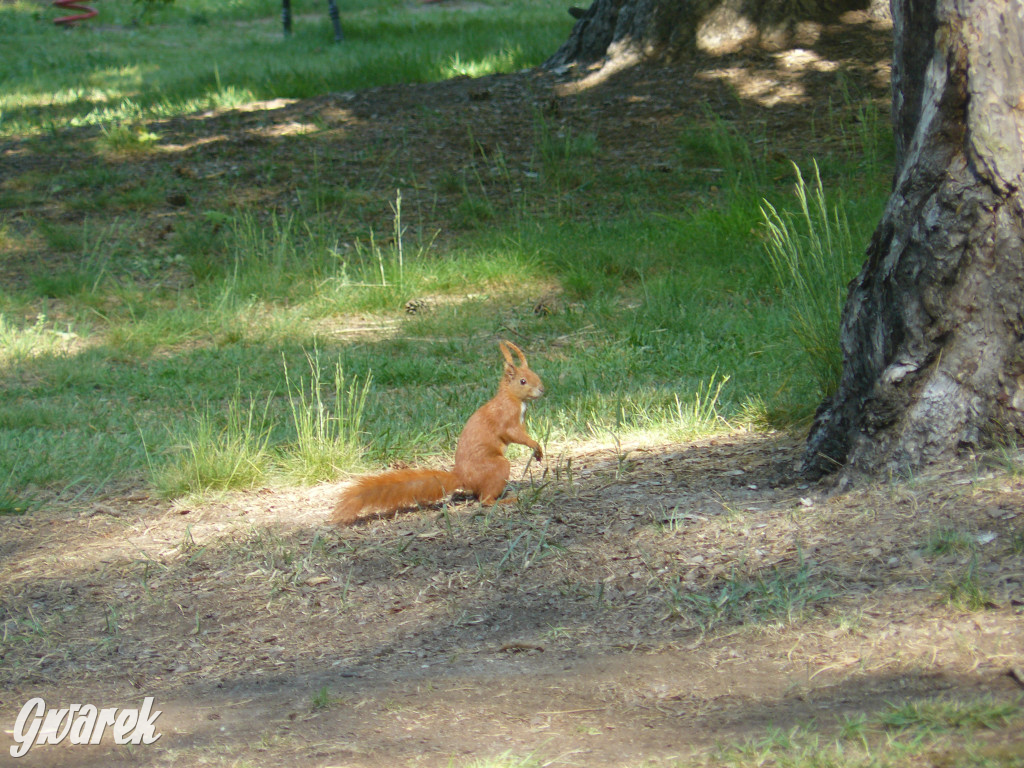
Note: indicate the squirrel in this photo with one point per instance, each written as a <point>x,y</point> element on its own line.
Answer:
<point>480,464</point>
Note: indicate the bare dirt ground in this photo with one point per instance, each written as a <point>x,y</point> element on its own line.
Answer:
<point>568,627</point>
<point>646,604</point>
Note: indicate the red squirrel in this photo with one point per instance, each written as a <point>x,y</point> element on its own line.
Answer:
<point>480,464</point>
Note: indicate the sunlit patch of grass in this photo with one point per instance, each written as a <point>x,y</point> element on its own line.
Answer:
<point>247,444</point>
<point>504,760</point>
<point>500,61</point>
<point>20,342</point>
<point>700,416</point>
<point>328,426</point>
<point>127,138</point>
<point>218,453</point>
<point>101,79</point>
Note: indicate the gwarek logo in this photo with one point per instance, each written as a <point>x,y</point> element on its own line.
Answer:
<point>82,725</point>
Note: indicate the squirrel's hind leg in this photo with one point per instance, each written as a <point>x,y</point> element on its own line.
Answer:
<point>488,481</point>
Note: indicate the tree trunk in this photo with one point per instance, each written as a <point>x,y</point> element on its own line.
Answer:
<point>933,330</point>
<point>666,29</point>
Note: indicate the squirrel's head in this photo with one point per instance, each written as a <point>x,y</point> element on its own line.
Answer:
<point>519,379</point>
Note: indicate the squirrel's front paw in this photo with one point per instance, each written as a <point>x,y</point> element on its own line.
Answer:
<point>538,454</point>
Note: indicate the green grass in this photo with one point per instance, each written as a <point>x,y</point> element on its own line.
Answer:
<point>813,258</point>
<point>93,74</point>
<point>966,732</point>
<point>946,540</point>
<point>644,344</point>
<point>944,715</point>
<point>966,591</point>
<point>320,700</point>
<point>782,597</point>
<point>328,425</point>
<point>504,760</point>
<point>257,346</point>
<point>11,502</point>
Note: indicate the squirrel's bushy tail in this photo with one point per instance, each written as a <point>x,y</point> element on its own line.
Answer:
<point>391,491</point>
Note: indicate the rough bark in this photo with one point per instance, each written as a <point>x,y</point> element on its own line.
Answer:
<point>933,329</point>
<point>666,29</point>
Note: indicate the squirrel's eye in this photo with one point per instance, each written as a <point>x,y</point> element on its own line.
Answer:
<point>522,381</point>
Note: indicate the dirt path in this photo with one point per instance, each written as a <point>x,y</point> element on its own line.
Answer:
<point>653,605</point>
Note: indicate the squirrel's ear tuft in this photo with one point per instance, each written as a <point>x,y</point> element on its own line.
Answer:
<point>505,346</point>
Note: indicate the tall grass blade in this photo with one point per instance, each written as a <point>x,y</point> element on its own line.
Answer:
<point>327,429</point>
<point>812,258</point>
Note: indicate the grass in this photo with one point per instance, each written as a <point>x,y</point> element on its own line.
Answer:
<point>327,434</point>
<point>783,597</point>
<point>320,700</point>
<point>943,715</point>
<point>12,502</point>
<point>504,760</point>
<point>228,353</point>
<point>947,540</point>
<point>813,257</point>
<point>321,436</point>
<point>947,731</point>
<point>965,591</point>
<point>218,456</point>
<point>250,59</point>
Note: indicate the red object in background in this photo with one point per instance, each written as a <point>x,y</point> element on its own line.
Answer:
<point>73,5</point>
